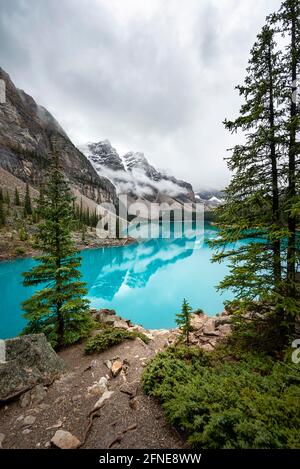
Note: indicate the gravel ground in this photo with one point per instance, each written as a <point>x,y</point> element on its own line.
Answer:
<point>125,421</point>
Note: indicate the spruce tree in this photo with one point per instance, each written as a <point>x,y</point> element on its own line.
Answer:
<point>2,214</point>
<point>27,202</point>
<point>183,320</point>
<point>7,198</point>
<point>259,218</point>
<point>287,22</point>
<point>59,309</point>
<point>250,219</point>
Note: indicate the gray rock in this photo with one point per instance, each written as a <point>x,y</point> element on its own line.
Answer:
<point>207,347</point>
<point>29,420</point>
<point>121,324</point>
<point>222,320</point>
<point>225,330</point>
<point>116,367</point>
<point>30,360</point>
<point>38,394</point>
<point>134,403</point>
<point>105,396</point>
<point>130,388</point>
<point>25,400</point>
<point>29,133</point>
<point>2,438</point>
<point>26,431</point>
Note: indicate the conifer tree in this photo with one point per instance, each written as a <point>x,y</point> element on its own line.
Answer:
<point>252,208</point>
<point>183,320</point>
<point>261,203</point>
<point>59,309</point>
<point>2,214</point>
<point>27,202</point>
<point>287,22</point>
<point>7,198</point>
<point>1,195</point>
<point>17,197</point>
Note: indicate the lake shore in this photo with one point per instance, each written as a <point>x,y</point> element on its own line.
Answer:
<point>24,250</point>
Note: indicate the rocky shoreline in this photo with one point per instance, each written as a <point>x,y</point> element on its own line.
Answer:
<point>95,243</point>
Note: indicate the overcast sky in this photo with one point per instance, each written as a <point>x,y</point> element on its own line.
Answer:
<point>155,76</point>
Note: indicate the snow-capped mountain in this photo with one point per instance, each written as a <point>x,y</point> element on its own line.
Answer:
<point>210,199</point>
<point>132,174</point>
<point>103,154</point>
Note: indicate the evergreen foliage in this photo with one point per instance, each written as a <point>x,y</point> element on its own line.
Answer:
<point>59,309</point>
<point>17,197</point>
<point>242,403</point>
<point>262,200</point>
<point>183,320</point>
<point>2,214</point>
<point>109,337</point>
<point>27,202</point>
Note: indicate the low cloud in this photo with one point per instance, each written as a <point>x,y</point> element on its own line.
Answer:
<point>157,76</point>
<point>138,183</point>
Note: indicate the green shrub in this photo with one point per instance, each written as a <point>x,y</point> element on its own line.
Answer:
<point>75,329</point>
<point>253,402</point>
<point>19,251</point>
<point>109,337</point>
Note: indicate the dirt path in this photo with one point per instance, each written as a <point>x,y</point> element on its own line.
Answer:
<point>128,419</point>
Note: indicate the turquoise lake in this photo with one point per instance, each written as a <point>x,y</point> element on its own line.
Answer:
<point>145,282</point>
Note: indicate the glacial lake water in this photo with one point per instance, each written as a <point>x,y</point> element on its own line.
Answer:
<point>145,282</point>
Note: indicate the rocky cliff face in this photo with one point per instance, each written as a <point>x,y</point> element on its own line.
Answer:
<point>134,175</point>
<point>103,154</point>
<point>28,135</point>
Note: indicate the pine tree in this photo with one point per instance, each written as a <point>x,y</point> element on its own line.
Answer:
<point>2,214</point>
<point>287,22</point>
<point>59,309</point>
<point>252,209</point>
<point>7,199</point>
<point>17,197</point>
<point>183,320</point>
<point>1,195</point>
<point>257,200</point>
<point>27,202</point>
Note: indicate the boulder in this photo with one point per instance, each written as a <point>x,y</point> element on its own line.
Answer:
<point>30,360</point>
<point>105,396</point>
<point>222,320</point>
<point>207,347</point>
<point>198,320</point>
<point>104,315</point>
<point>121,324</point>
<point>29,420</point>
<point>209,328</point>
<point>225,330</point>
<point>65,440</point>
<point>116,367</point>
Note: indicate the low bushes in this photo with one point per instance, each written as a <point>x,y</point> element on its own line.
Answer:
<point>109,337</point>
<point>225,401</point>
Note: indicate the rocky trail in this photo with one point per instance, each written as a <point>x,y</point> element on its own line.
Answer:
<point>127,419</point>
<point>98,401</point>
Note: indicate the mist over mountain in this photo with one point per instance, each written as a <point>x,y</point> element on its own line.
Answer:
<point>132,174</point>
<point>29,134</point>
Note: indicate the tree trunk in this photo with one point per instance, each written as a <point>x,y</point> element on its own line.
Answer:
<point>291,253</point>
<point>275,190</point>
